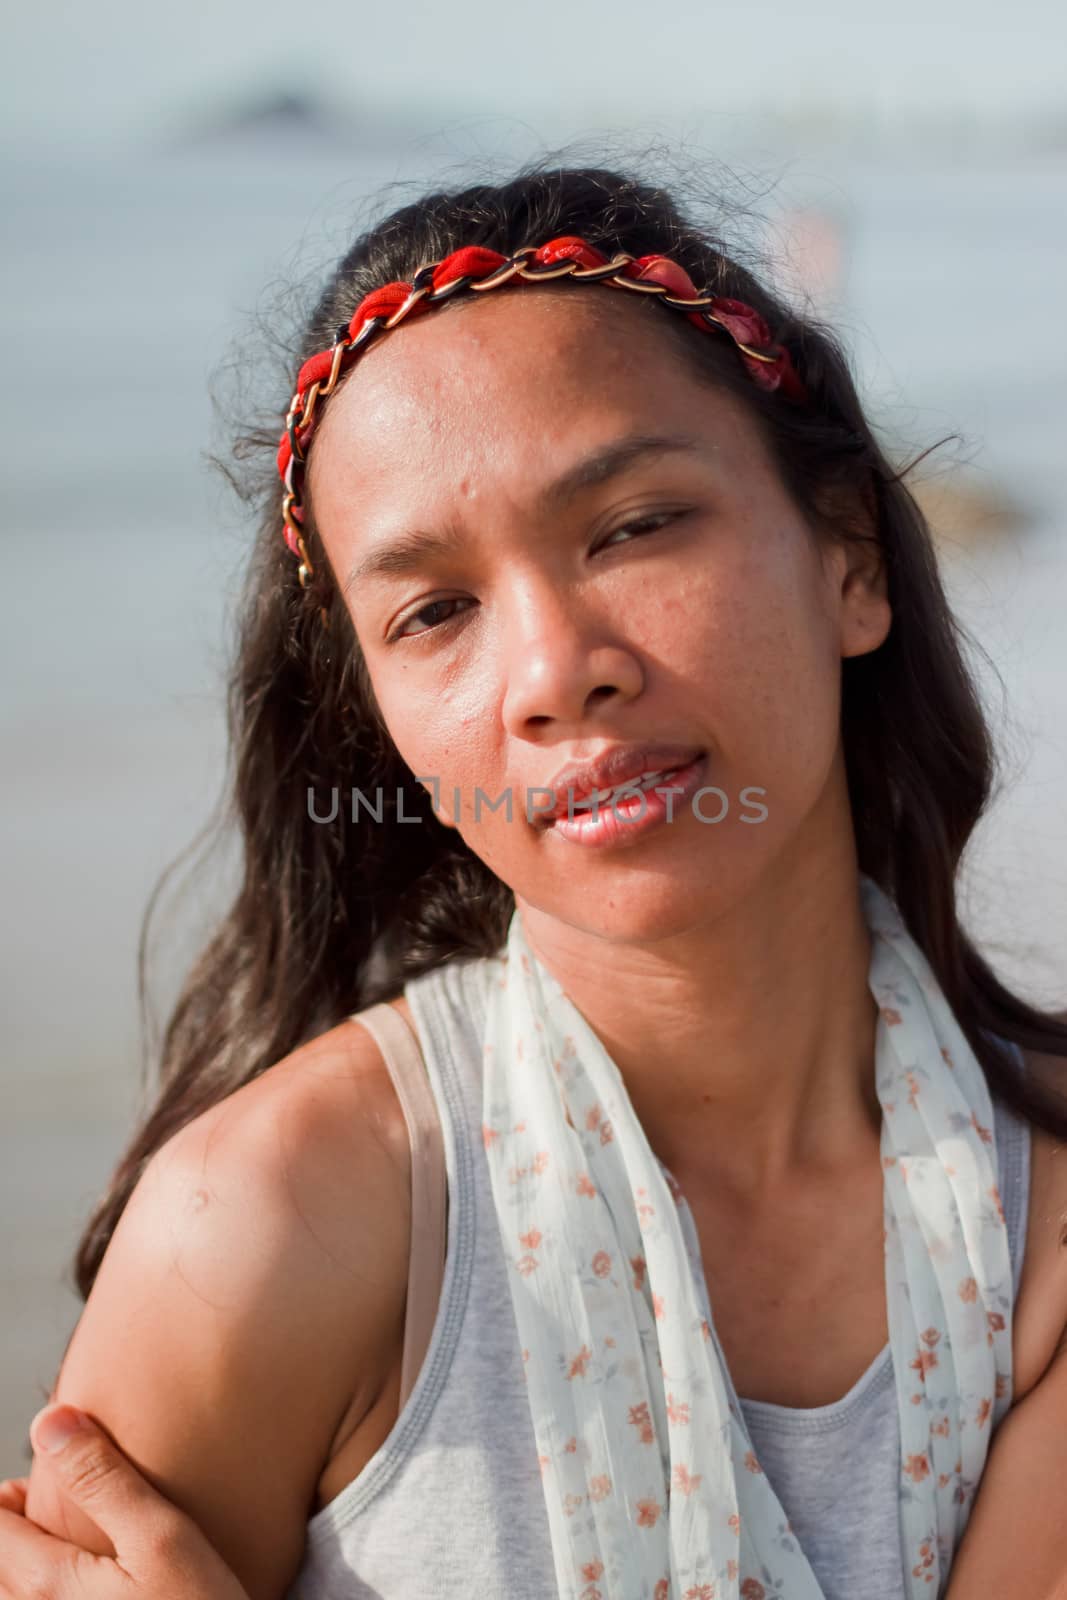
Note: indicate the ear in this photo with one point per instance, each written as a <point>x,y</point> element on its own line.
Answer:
<point>857,561</point>
<point>866,615</point>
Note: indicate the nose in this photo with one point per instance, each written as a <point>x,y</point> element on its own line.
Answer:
<point>562,660</point>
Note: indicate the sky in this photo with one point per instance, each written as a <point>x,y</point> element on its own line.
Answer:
<point>101,73</point>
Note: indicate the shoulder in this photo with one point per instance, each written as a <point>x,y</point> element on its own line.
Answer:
<point>306,1171</point>
<point>328,1117</point>
<point>1041,1304</point>
<point>251,1299</point>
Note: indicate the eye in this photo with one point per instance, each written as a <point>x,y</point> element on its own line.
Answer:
<point>399,632</point>
<point>650,524</point>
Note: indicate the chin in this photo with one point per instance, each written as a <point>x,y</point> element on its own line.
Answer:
<point>636,912</point>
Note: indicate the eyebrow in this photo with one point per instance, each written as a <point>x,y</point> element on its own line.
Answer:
<point>408,551</point>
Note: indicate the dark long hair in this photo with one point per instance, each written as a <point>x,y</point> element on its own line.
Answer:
<point>328,919</point>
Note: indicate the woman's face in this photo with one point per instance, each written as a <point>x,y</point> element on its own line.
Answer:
<point>673,597</point>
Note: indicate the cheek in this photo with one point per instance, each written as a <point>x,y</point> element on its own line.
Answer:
<point>439,735</point>
<point>757,637</point>
<point>796,705</point>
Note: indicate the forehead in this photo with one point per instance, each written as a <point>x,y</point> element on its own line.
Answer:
<point>505,337</point>
<point>524,363</point>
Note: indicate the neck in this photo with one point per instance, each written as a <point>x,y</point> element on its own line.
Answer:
<point>746,1042</point>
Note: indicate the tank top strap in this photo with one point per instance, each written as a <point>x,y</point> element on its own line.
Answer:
<point>402,1054</point>
<point>451,1002</point>
<point>1014,1139</point>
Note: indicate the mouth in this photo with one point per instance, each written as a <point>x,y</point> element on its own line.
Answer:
<point>646,773</point>
<point>604,797</point>
<point>640,809</point>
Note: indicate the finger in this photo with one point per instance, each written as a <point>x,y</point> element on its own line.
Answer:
<point>149,1535</point>
<point>33,1562</point>
<point>94,1473</point>
<point>13,1495</point>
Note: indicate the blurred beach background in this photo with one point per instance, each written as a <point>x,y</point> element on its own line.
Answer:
<point>164,178</point>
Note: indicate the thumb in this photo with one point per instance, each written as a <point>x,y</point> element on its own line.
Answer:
<point>93,1472</point>
<point>153,1540</point>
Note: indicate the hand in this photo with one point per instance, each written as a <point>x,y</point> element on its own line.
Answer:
<point>160,1553</point>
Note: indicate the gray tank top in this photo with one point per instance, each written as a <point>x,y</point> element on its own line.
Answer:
<point>451,1503</point>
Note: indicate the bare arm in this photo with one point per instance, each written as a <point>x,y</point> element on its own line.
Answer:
<point>250,1293</point>
<point>1016,1540</point>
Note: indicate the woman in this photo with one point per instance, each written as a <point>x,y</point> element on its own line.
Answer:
<point>720,1043</point>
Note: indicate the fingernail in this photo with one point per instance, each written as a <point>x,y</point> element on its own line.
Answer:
<point>50,1430</point>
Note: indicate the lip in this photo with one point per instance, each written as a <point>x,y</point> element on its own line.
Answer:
<point>623,763</point>
<point>628,820</point>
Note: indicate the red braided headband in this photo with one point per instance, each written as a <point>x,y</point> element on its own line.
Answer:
<point>769,364</point>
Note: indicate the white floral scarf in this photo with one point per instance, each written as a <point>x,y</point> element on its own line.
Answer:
<point>651,1484</point>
